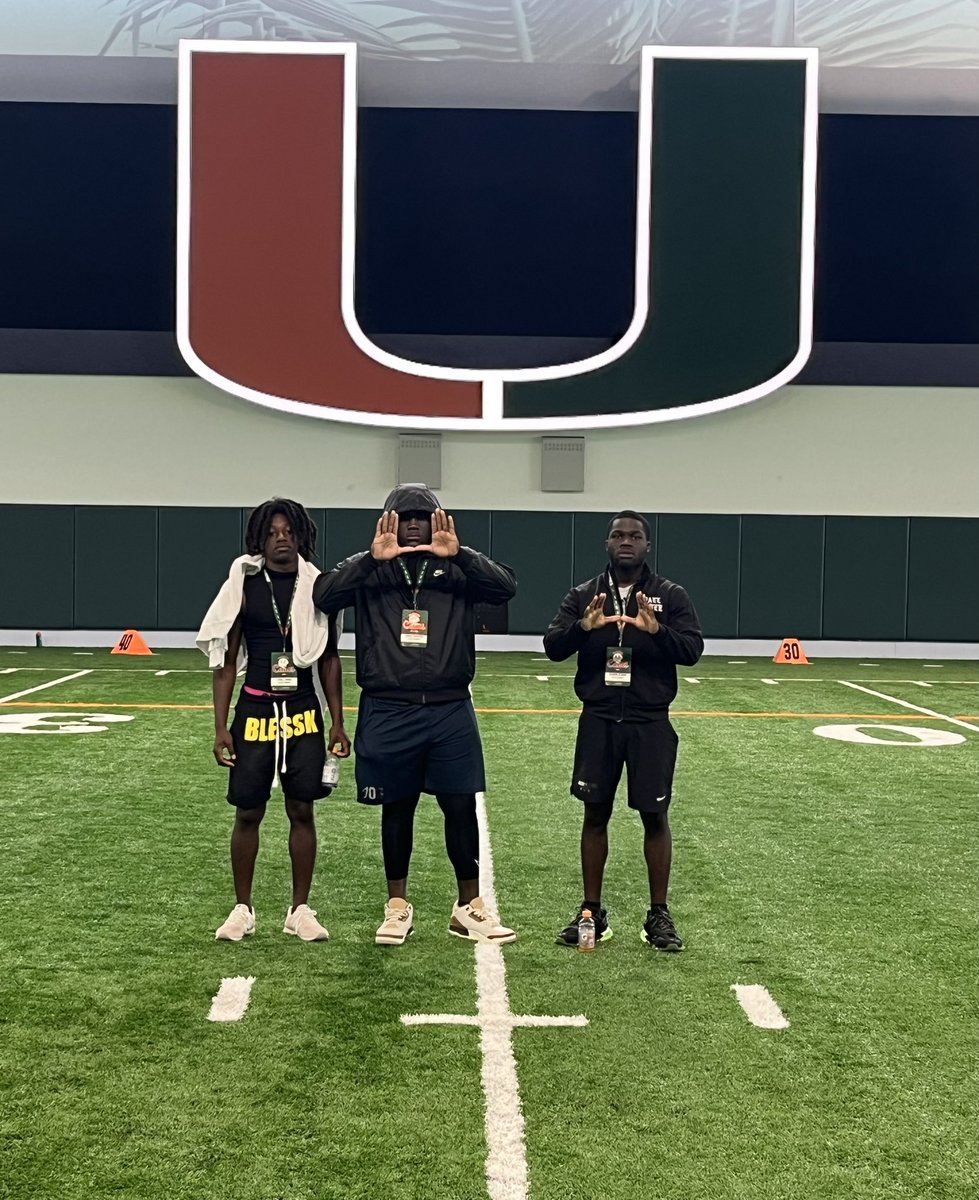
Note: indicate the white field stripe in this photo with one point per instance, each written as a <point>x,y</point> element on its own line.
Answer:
<point>159,673</point>
<point>506,1158</point>
<point>928,712</point>
<point>542,678</point>
<point>772,681</point>
<point>759,1007</point>
<point>688,679</point>
<point>232,998</point>
<point>920,683</point>
<point>41,686</point>
<point>513,1021</point>
<point>9,670</point>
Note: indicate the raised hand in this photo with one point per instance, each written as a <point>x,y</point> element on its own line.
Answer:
<point>594,616</point>
<point>385,544</point>
<point>646,620</point>
<point>445,542</point>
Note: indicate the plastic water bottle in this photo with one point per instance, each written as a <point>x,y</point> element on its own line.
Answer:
<point>586,931</point>
<point>331,771</point>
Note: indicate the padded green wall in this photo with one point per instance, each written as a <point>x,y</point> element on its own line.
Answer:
<point>752,576</point>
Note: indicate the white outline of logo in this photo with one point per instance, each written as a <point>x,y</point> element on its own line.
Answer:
<point>492,381</point>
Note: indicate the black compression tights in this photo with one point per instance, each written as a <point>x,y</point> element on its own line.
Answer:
<point>461,834</point>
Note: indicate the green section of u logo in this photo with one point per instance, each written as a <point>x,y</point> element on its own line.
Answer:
<point>729,251</point>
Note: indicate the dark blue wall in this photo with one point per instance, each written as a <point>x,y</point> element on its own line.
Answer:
<point>87,205</point>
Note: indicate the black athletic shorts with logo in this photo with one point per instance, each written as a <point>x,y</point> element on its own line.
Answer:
<point>646,749</point>
<point>403,749</point>
<point>300,746</point>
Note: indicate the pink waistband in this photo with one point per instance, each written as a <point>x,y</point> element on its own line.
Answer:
<point>254,691</point>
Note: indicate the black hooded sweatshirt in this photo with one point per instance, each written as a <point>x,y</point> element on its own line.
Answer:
<point>379,594</point>
<point>654,655</point>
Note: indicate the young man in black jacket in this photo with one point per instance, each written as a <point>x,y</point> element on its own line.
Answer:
<point>414,593</point>
<point>629,629</point>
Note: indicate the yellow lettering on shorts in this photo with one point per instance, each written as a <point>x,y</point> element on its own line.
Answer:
<point>251,729</point>
<point>273,728</point>
<point>298,725</point>
<point>310,715</point>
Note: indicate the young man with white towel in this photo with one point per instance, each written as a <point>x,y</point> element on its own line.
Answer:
<point>267,604</point>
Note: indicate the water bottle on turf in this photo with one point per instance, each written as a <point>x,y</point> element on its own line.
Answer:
<point>331,771</point>
<point>586,931</point>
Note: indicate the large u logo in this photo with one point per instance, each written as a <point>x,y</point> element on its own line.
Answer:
<point>724,246</point>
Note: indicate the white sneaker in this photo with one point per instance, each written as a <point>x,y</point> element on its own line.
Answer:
<point>240,924</point>
<point>302,923</point>
<point>396,927</point>
<point>478,923</point>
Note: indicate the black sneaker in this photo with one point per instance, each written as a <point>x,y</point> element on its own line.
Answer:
<point>659,930</point>
<point>569,934</point>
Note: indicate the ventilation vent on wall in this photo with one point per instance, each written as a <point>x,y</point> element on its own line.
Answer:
<point>420,458</point>
<point>562,464</point>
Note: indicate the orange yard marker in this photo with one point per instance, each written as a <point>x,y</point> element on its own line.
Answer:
<point>131,642</point>
<point>791,651</point>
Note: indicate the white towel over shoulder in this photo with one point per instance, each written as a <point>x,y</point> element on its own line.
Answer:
<point>310,627</point>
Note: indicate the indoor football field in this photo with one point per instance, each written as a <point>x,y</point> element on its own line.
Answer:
<point>816,1039</point>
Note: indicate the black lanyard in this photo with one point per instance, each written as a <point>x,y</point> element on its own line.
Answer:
<point>283,629</point>
<point>621,606</point>
<point>416,587</point>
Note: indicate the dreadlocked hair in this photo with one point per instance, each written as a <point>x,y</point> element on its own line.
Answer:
<point>260,522</point>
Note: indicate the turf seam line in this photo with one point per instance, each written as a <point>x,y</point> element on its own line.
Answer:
<point>930,712</point>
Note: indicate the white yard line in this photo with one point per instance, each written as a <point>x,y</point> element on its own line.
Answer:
<point>759,1006</point>
<point>920,683</point>
<point>688,679</point>
<point>506,1158</point>
<point>542,678</point>
<point>928,712</point>
<point>774,682</point>
<point>232,998</point>
<point>9,670</point>
<point>41,686</point>
<point>161,673</point>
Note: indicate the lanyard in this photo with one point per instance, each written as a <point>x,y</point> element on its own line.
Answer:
<point>283,629</point>
<point>415,587</point>
<point>621,606</point>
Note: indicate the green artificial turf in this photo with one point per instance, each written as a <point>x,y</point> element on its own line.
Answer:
<point>841,877</point>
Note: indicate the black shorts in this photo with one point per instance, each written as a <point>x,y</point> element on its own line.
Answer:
<point>300,747</point>
<point>403,749</point>
<point>647,750</point>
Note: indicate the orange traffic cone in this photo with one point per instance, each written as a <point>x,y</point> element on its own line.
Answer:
<point>791,651</point>
<point>131,642</point>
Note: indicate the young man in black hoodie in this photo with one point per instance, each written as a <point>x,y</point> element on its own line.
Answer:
<point>629,629</point>
<point>413,593</point>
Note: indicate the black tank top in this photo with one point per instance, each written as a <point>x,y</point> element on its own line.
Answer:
<point>261,632</point>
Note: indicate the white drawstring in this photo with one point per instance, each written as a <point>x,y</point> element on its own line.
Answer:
<point>280,716</point>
